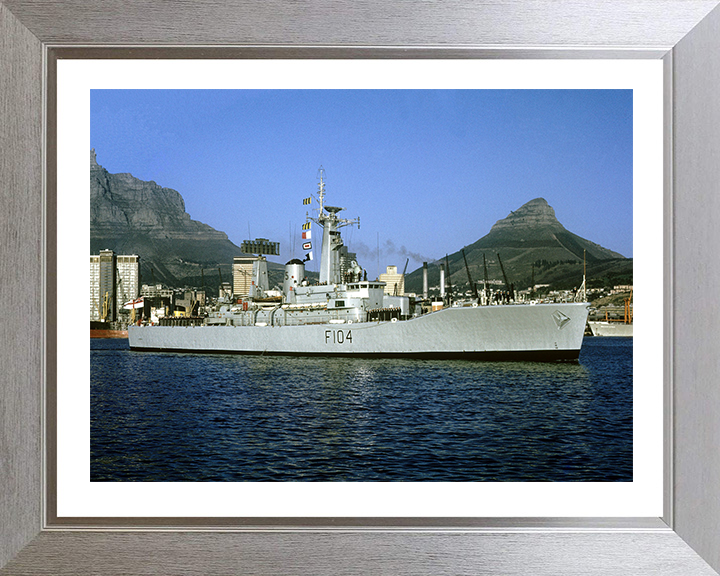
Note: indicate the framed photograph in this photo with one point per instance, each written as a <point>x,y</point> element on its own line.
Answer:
<point>661,516</point>
<point>416,410</point>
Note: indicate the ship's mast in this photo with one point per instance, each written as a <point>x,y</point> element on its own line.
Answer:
<point>331,242</point>
<point>581,295</point>
<point>321,189</point>
<point>584,285</point>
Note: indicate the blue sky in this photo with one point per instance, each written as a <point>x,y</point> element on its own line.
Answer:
<point>428,171</point>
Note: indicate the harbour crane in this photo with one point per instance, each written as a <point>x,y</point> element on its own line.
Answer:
<point>396,291</point>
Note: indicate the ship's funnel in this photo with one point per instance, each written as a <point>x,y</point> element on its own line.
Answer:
<point>425,281</point>
<point>294,275</point>
<point>442,280</point>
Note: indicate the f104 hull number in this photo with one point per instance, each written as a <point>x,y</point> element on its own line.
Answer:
<point>338,336</point>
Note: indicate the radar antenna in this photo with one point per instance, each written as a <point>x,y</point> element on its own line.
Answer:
<point>328,214</point>
<point>328,219</point>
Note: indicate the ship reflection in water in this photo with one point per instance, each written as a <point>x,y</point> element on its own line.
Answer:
<point>178,418</point>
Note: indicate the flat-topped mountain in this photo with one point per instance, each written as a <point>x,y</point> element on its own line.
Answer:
<point>131,216</point>
<point>531,242</point>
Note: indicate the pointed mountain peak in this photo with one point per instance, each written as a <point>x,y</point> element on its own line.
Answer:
<point>538,206</point>
<point>534,213</point>
<point>538,203</point>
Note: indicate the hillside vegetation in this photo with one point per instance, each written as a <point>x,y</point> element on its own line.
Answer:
<point>534,248</point>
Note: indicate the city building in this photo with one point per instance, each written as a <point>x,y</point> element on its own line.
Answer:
<point>114,280</point>
<point>242,274</point>
<point>189,303</point>
<point>158,301</point>
<point>156,291</point>
<point>128,279</point>
<point>395,283</point>
<point>95,307</point>
<point>246,270</point>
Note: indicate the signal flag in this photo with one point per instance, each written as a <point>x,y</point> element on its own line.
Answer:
<point>306,201</point>
<point>307,235</point>
<point>306,226</point>
<point>307,246</point>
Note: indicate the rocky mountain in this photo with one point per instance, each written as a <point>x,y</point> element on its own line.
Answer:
<point>131,216</point>
<point>531,243</point>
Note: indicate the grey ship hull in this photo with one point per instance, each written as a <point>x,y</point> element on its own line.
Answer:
<point>600,328</point>
<point>510,332</point>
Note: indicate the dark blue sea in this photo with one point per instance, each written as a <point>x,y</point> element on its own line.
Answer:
<point>187,418</point>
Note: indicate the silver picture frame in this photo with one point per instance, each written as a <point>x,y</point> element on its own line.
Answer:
<point>685,34</point>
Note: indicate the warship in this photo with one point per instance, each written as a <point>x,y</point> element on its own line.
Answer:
<point>622,327</point>
<point>601,328</point>
<point>345,315</point>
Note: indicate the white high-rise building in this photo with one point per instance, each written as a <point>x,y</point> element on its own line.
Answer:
<point>95,303</point>
<point>128,287</point>
<point>114,280</point>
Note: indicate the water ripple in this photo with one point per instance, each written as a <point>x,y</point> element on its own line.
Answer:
<point>172,417</point>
